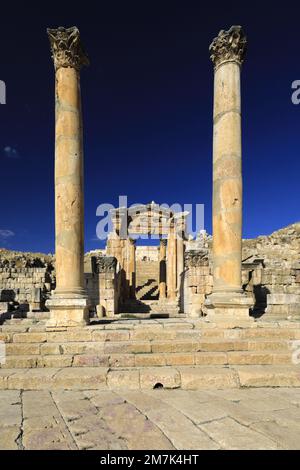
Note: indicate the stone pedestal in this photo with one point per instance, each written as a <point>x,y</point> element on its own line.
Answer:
<point>228,299</point>
<point>67,312</point>
<point>68,305</point>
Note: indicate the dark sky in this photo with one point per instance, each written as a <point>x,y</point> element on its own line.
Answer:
<point>147,104</point>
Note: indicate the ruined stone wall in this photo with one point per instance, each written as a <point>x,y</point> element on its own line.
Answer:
<point>277,282</point>
<point>147,253</point>
<point>26,280</point>
<point>270,273</point>
<point>197,281</point>
<point>103,284</point>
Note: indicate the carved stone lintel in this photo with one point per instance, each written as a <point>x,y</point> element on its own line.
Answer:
<point>228,46</point>
<point>66,48</point>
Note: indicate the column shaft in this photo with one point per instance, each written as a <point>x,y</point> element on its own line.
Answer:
<point>180,270</point>
<point>227,179</point>
<point>180,261</point>
<point>171,265</point>
<point>68,305</point>
<point>227,298</point>
<point>162,269</point>
<point>69,248</point>
<point>132,268</point>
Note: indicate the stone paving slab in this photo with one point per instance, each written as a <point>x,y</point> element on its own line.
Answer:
<point>233,436</point>
<point>150,419</point>
<point>175,425</point>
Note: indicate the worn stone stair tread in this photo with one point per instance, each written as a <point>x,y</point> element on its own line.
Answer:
<point>88,358</point>
<point>185,377</point>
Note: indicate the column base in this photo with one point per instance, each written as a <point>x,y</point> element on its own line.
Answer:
<point>229,308</point>
<point>66,312</point>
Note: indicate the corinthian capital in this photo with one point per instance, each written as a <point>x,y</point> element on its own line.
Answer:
<point>228,46</point>
<point>66,48</point>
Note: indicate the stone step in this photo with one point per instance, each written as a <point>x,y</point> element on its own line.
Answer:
<point>258,330</point>
<point>123,341</point>
<point>150,292</point>
<point>143,288</point>
<point>27,343</point>
<point>115,360</point>
<point>259,326</point>
<point>187,378</point>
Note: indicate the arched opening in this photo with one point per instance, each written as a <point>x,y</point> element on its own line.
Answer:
<point>158,386</point>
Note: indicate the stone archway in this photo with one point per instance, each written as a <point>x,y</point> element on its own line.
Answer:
<point>170,229</point>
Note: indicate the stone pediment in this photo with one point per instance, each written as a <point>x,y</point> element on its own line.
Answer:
<point>147,219</point>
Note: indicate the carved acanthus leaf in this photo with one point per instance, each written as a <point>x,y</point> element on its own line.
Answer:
<point>66,48</point>
<point>228,46</point>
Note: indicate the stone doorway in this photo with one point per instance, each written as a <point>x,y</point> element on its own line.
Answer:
<point>150,277</point>
<point>147,273</point>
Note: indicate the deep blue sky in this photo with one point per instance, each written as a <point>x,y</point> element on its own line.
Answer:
<point>147,103</point>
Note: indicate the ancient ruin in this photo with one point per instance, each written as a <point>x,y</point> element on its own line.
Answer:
<point>211,311</point>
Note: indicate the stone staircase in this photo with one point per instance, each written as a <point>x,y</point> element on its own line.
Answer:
<point>170,353</point>
<point>147,280</point>
<point>157,308</point>
<point>147,291</point>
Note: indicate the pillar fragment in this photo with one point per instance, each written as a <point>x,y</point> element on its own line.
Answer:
<point>162,269</point>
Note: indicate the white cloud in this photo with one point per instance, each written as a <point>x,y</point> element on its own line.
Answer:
<point>6,233</point>
<point>10,152</point>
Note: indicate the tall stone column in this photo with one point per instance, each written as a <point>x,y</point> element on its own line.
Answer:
<point>162,269</point>
<point>68,305</point>
<point>171,264</point>
<point>180,267</point>
<point>228,299</point>
<point>132,267</point>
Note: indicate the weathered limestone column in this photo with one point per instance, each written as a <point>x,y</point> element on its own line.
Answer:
<point>162,268</point>
<point>227,54</point>
<point>171,264</point>
<point>180,259</point>
<point>68,305</point>
<point>180,268</point>
<point>132,267</point>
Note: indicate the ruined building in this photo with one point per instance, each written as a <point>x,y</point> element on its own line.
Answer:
<point>211,312</point>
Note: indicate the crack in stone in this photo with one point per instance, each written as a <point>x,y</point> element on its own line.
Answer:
<point>249,426</point>
<point>63,419</point>
<point>19,438</point>
<point>147,419</point>
<point>194,422</point>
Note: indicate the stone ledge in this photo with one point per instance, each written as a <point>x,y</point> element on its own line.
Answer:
<point>186,378</point>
